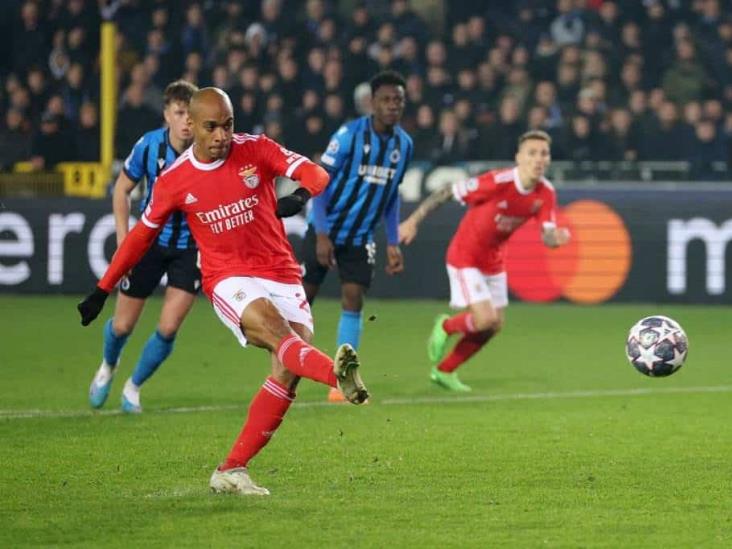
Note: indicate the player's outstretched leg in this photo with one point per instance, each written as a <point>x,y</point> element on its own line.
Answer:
<point>345,368</point>
<point>102,382</point>
<point>437,341</point>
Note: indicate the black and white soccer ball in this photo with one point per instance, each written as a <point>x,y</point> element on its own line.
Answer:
<point>657,346</point>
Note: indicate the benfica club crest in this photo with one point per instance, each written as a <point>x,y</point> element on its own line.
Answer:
<point>249,176</point>
<point>536,206</point>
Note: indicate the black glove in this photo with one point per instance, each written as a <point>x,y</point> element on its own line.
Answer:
<point>92,305</point>
<point>289,205</point>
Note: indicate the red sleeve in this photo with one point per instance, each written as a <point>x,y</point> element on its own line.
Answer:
<point>311,177</point>
<point>161,205</point>
<point>142,235</point>
<point>547,214</point>
<point>475,190</point>
<point>133,247</point>
<point>293,165</point>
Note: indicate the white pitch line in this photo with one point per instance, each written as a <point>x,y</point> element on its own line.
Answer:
<point>456,399</point>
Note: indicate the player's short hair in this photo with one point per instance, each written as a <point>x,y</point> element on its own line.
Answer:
<point>179,91</point>
<point>386,78</point>
<point>541,135</point>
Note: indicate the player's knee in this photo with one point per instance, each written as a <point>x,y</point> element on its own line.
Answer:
<point>168,330</point>
<point>122,327</point>
<point>266,330</point>
<point>487,323</point>
<point>351,298</point>
<point>496,326</point>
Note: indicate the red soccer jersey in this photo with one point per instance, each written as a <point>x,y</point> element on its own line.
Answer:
<point>230,207</point>
<point>497,206</point>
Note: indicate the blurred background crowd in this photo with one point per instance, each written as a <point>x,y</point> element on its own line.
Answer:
<point>608,79</point>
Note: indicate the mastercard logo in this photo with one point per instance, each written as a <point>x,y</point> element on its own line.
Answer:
<point>590,269</point>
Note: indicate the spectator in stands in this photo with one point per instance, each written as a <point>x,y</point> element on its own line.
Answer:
<point>567,27</point>
<point>30,39</point>
<point>709,148</point>
<point>73,91</point>
<point>15,140</point>
<point>713,110</point>
<point>519,86</point>
<point>424,133</point>
<point>656,38</point>
<point>568,85</point>
<point>685,80</point>
<point>194,35</point>
<point>86,136</point>
<point>58,59</point>
<point>451,144</point>
<point>78,47</point>
<point>50,145</point>
<point>138,118</point>
<point>668,138</point>
<point>580,142</point>
<point>497,141</point>
<point>607,23</point>
<point>537,118</point>
<point>620,141</point>
<point>246,112</point>
<point>545,96</point>
<point>39,92</point>
<point>407,23</point>
<point>193,68</point>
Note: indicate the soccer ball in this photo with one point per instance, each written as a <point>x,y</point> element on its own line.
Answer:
<point>657,346</point>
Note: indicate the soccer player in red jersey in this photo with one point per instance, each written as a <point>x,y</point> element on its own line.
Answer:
<point>499,202</point>
<point>224,185</point>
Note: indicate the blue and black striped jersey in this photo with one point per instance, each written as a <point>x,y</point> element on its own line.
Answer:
<point>366,169</point>
<point>149,157</point>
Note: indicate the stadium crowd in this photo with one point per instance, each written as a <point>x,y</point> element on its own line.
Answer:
<point>608,79</point>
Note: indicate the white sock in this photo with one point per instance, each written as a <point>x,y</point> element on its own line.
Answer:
<point>131,392</point>
<point>104,374</point>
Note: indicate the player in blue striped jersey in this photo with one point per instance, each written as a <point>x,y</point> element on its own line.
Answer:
<point>366,159</point>
<point>174,254</point>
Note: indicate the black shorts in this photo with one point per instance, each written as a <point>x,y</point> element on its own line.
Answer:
<point>354,263</point>
<point>181,266</point>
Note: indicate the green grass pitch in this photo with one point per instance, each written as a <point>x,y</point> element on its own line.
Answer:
<point>560,444</point>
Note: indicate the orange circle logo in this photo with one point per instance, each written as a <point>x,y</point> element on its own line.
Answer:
<point>590,269</point>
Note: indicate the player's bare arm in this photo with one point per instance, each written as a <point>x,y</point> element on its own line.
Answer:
<point>394,260</point>
<point>121,205</point>
<point>408,228</point>
<point>324,250</point>
<point>555,237</point>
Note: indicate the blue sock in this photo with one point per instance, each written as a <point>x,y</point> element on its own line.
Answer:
<point>112,344</point>
<point>349,328</point>
<point>156,350</point>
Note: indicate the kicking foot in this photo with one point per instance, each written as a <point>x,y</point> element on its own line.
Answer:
<point>345,367</point>
<point>437,342</point>
<point>235,481</point>
<point>131,398</point>
<point>449,380</point>
<point>100,385</point>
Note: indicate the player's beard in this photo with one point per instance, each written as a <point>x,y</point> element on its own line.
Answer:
<point>217,153</point>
